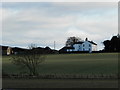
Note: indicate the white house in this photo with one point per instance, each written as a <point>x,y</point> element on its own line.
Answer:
<point>83,46</point>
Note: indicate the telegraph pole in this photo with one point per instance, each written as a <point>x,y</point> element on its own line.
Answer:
<point>54,45</point>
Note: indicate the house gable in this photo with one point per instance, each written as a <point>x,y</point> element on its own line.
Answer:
<point>86,46</point>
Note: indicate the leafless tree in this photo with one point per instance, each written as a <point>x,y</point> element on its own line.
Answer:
<point>32,45</point>
<point>29,59</point>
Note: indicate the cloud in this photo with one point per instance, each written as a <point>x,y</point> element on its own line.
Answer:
<point>44,23</point>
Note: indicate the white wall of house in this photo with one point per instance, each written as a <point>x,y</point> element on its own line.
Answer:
<point>69,50</point>
<point>94,47</point>
<point>77,47</point>
<point>86,46</point>
<point>9,51</point>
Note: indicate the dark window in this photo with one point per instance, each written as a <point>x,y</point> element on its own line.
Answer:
<point>89,45</point>
<point>83,45</point>
<point>89,49</point>
<point>83,49</point>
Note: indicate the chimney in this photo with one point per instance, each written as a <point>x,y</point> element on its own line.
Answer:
<point>86,39</point>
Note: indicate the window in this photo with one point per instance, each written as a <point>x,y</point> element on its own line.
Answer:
<point>89,49</point>
<point>83,49</point>
<point>89,45</point>
<point>83,45</point>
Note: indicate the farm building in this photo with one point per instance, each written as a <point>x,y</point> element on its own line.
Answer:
<point>81,46</point>
<point>9,51</point>
<point>3,50</point>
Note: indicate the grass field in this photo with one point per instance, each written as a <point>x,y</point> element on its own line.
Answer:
<point>105,63</point>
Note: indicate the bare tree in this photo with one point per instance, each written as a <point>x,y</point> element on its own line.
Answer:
<point>29,59</point>
<point>32,46</point>
<point>71,40</point>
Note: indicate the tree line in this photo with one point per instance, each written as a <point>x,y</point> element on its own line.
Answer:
<point>112,45</point>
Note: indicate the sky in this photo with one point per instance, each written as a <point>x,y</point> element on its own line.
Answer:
<point>42,23</point>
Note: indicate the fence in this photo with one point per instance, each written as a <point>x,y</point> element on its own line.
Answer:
<point>63,76</point>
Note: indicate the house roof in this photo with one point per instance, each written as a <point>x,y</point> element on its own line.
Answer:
<point>83,42</point>
<point>17,49</point>
<point>3,47</point>
<point>69,47</point>
<point>78,42</point>
<point>65,48</point>
<point>92,42</point>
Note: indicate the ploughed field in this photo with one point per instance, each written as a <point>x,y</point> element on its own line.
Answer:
<point>94,63</point>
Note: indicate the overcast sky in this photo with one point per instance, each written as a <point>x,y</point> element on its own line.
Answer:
<point>43,23</point>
